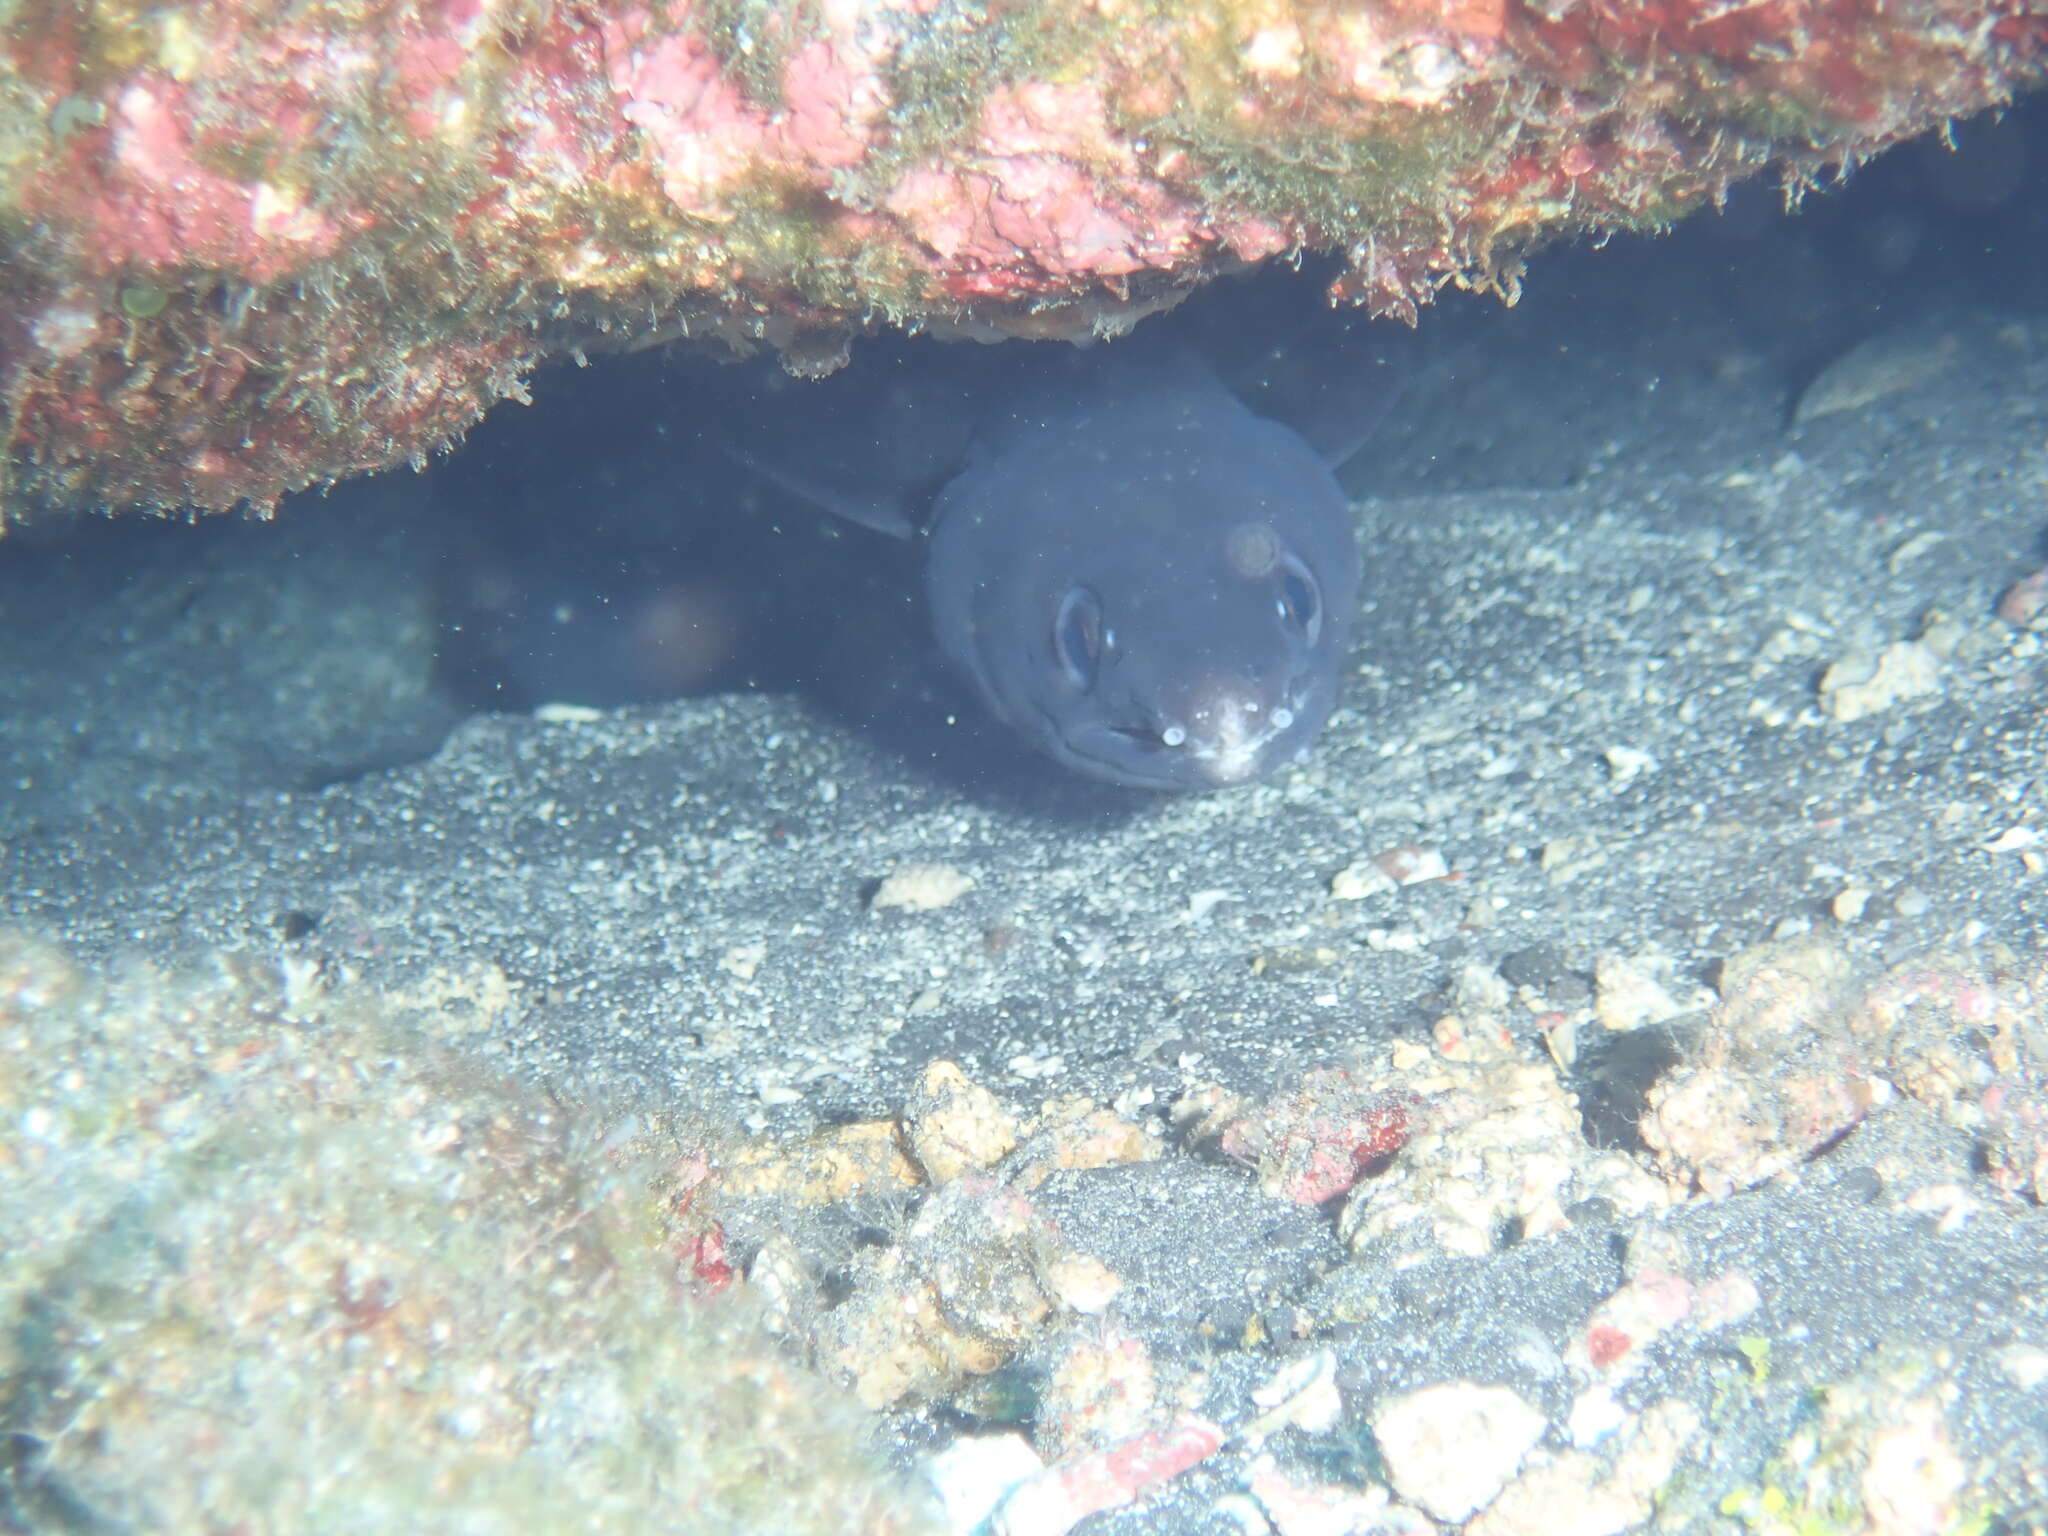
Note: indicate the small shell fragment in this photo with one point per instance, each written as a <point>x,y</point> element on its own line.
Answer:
<point>1412,865</point>
<point>1302,1393</point>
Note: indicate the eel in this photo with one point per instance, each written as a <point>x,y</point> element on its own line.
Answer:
<point>1146,580</point>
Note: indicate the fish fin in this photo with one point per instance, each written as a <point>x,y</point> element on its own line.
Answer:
<point>1334,385</point>
<point>881,514</point>
<point>872,443</point>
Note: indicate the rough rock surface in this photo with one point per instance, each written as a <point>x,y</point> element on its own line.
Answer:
<point>247,247</point>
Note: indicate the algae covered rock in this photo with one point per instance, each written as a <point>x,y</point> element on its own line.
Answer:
<point>270,1262</point>
<point>249,247</point>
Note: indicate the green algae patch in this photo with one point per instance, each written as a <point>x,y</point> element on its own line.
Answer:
<point>1876,1453</point>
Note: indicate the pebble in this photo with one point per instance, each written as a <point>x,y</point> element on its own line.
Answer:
<point>1627,993</point>
<point>1626,763</point>
<point>1101,1391</point>
<point>567,714</point>
<point>1912,903</point>
<point>920,888</point>
<point>1914,1479</point>
<point>2024,1365</point>
<point>1452,1447</point>
<point>1412,865</point>
<point>1068,1492</point>
<point>1581,1493</point>
<point>1287,1505</point>
<point>955,1126</point>
<point>2025,603</point>
<point>1861,684</point>
<point>1082,1284</point>
<point>1358,881</point>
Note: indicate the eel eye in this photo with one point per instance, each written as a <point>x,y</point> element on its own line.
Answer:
<point>1298,599</point>
<point>1077,637</point>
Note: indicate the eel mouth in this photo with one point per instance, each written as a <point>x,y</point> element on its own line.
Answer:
<point>1233,734</point>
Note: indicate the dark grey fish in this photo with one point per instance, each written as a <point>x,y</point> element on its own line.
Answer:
<point>1149,582</point>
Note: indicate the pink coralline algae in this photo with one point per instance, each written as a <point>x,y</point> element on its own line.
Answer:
<point>247,246</point>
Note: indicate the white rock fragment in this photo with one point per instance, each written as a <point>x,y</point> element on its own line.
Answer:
<point>1861,684</point>
<point>1949,1204</point>
<point>1726,1299</point>
<point>1627,763</point>
<point>1288,1505</point>
<point>1595,1414</point>
<point>1480,989</point>
<point>1202,904</point>
<point>2025,1365</point>
<point>2014,839</point>
<point>1411,865</point>
<point>1579,1493</point>
<point>1914,1479</point>
<point>975,1473</point>
<point>1452,1447</point>
<point>920,888</point>
<point>1628,992</point>
<point>1563,859</point>
<point>743,960</point>
<point>1925,542</point>
<point>1082,1284</point>
<point>1356,882</point>
<point>560,713</point>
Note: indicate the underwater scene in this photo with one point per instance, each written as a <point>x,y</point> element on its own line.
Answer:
<point>1333,847</point>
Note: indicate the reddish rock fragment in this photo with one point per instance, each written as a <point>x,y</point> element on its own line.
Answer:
<point>1314,1143</point>
<point>1069,1491</point>
<point>708,1261</point>
<point>2025,603</point>
<point>1606,1344</point>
